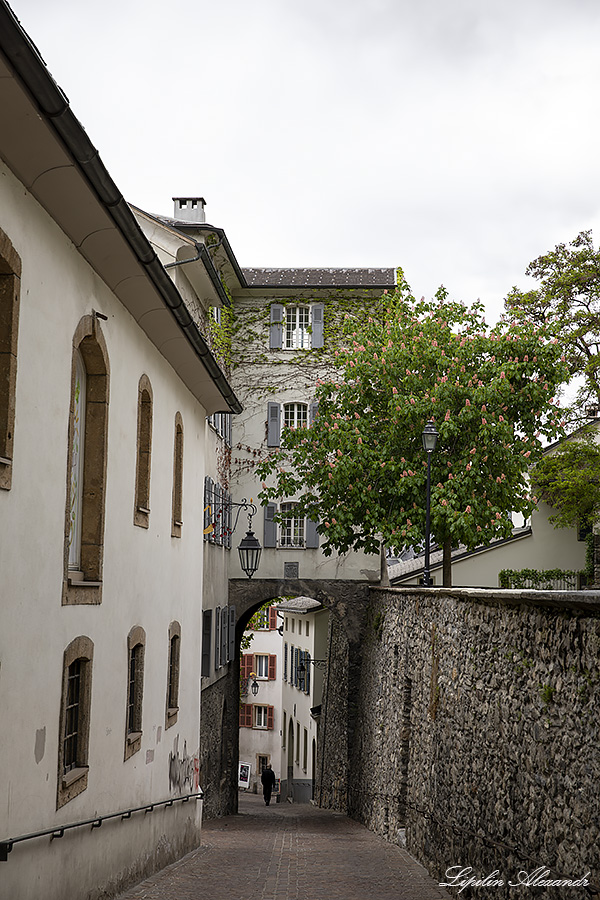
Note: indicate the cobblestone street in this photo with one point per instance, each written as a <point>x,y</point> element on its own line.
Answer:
<point>287,852</point>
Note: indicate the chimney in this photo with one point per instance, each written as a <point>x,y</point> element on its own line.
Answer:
<point>189,209</point>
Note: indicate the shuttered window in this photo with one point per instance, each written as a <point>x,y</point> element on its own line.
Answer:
<point>246,715</point>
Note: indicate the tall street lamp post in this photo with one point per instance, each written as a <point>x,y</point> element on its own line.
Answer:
<point>429,437</point>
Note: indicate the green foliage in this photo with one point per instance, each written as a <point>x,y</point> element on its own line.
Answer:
<point>361,469</point>
<point>547,693</point>
<point>568,479</point>
<point>538,579</point>
<point>567,302</point>
<point>220,335</point>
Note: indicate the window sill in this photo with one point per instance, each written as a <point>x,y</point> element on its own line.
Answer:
<point>74,775</point>
<point>5,473</point>
<point>76,579</point>
<point>134,736</point>
<point>78,591</point>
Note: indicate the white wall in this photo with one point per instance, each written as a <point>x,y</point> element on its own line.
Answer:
<point>149,579</point>
<point>545,548</point>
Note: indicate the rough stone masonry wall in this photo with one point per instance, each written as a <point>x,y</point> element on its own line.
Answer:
<point>478,731</point>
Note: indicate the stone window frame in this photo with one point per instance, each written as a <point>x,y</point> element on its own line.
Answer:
<point>75,781</point>
<point>10,291</point>
<point>177,497</point>
<point>141,509</point>
<point>84,586</point>
<point>136,651</point>
<point>173,672</point>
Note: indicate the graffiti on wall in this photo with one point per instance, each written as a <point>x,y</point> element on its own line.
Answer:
<point>183,770</point>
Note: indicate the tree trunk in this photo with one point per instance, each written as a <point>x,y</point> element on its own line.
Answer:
<point>447,563</point>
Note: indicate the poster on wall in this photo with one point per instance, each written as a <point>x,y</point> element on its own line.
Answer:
<point>244,775</point>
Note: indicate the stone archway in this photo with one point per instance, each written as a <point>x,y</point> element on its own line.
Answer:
<point>347,600</point>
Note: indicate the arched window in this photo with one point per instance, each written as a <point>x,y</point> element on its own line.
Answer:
<point>173,674</point>
<point>10,282</point>
<point>88,434</point>
<point>177,521</point>
<point>141,513</point>
<point>75,720</point>
<point>136,645</point>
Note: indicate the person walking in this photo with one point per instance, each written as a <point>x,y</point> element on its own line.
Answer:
<point>268,782</point>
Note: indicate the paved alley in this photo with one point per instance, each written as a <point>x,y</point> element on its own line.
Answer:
<point>286,852</point>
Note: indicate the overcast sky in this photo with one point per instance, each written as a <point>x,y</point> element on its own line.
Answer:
<point>458,139</point>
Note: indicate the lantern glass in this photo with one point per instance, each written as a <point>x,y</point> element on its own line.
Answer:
<point>249,551</point>
<point>430,436</point>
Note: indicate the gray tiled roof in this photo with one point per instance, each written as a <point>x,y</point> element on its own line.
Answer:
<point>299,605</point>
<point>385,278</point>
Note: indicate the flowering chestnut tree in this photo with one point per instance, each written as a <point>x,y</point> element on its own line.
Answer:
<point>361,470</point>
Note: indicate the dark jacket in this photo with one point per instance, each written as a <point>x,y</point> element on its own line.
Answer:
<point>268,778</point>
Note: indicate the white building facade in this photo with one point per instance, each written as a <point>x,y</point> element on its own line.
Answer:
<point>106,382</point>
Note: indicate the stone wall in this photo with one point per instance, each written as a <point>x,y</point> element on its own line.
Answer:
<point>218,764</point>
<point>477,730</point>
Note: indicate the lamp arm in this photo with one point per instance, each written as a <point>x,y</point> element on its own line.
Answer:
<point>247,506</point>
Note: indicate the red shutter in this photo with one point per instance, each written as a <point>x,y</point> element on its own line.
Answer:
<point>247,664</point>
<point>272,618</point>
<point>272,667</point>
<point>270,717</point>
<point>246,715</point>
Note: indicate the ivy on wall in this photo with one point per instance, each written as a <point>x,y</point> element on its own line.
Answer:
<point>540,579</point>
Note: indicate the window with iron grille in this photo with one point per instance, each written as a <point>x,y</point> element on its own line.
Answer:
<point>71,748</point>
<point>75,714</point>
<point>173,674</point>
<point>136,672</point>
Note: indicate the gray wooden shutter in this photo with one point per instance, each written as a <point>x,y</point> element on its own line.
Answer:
<point>270,533</point>
<point>231,632</point>
<point>273,424</point>
<point>313,409</point>
<point>312,535</point>
<point>218,637</point>
<point>224,638</point>
<point>206,639</point>
<point>276,327</point>
<point>318,311</point>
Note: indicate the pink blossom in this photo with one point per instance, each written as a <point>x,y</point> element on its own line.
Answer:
<point>394,390</point>
<point>468,509</point>
<point>483,422</point>
<point>447,416</point>
<point>444,503</point>
<point>468,467</point>
<point>498,516</point>
<point>467,402</point>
